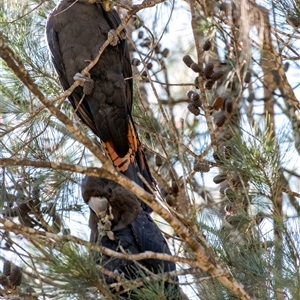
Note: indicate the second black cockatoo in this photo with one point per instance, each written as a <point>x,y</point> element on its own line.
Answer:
<point>125,226</point>
<point>75,31</point>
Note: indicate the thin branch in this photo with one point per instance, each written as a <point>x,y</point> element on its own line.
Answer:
<point>31,233</point>
<point>17,66</point>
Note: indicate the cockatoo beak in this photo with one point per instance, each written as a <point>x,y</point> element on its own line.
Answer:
<point>99,206</point>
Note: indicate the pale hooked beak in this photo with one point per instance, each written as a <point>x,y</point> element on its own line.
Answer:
<point>99,206</point>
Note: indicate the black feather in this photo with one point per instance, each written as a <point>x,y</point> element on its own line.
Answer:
<point>75,33</point>
<point>141,235</point>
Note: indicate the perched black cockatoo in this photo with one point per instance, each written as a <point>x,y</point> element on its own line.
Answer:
<point>118,213</point>
<point>75,31</point>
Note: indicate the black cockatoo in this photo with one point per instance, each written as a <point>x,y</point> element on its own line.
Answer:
<point>75,31</point>
<point>127,226</point>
